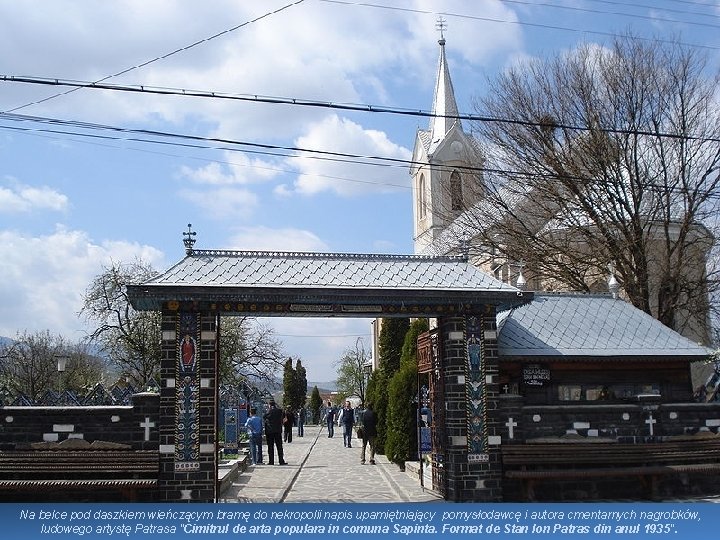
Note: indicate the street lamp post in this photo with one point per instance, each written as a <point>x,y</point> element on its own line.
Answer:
<point>61,365</point>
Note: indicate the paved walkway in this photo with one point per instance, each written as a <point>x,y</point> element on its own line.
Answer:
<point>321,469</point>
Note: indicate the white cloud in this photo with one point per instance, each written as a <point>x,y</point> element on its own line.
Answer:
<point>340,135</point>
<point>43,279</point>
<point>19,198</point>
<point>223,203</point>
<point>267,239</point>
<point>347,61</point>
<point>236,168</point>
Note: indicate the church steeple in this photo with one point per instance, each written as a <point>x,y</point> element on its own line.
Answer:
<point>443,158</point>
<point>444,103</point>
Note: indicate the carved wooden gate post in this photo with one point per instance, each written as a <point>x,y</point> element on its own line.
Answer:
<point>188,405</point>
<point>472,466</point>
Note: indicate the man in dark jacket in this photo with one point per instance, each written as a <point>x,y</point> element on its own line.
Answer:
<point>369,433</point>
<point>273,420</point>
<point>347,419</point>
<point>330,419</point>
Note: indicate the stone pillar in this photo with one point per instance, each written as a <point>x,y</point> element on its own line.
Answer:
<point>470,364</point>
<point>188,407</point>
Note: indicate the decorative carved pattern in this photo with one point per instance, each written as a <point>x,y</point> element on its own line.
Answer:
<point>187,430</point>
<point>476,397</point>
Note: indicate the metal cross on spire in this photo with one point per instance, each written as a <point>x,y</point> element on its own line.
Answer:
<point>441,25</point>
<point>189,239</point>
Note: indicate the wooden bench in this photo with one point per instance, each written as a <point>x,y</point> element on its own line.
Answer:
<point>534,462</point>
<point>123,471</point>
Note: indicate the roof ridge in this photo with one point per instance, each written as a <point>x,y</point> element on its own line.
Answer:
<point>325,255</point>
<point>539,294</point>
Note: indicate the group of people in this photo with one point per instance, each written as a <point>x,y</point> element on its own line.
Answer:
<point>345,417</point>
<point>273,424</point>
<point>277,425</point>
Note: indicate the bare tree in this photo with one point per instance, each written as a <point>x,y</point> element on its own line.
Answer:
<point>130,338</point>
<point>249,351</point>
<point>604,156</point>
<point>29,366</point>
<point>352,374</point>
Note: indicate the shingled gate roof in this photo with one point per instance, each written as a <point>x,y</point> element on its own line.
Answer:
<point>324,284</point>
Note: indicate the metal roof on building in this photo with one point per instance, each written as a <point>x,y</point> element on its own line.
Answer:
<point>568,324</point>
<point>279,276</point>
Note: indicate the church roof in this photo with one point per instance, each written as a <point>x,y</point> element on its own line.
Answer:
<point>220,275</point>
<point>572,324</point>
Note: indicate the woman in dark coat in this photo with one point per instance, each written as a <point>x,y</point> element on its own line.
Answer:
<point>288,423</point>
<point>369,433</point>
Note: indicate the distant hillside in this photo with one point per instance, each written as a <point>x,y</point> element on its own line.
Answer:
<point>328,386</point>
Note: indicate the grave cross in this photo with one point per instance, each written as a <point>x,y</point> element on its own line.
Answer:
<point>147,424</point>
<point>650,421</point>
<point>511,425</point>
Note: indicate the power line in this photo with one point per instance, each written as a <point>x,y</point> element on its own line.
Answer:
<point>164,56</point>
<point>316,154</point>
<point>617,13</point>
<point>515,22</point>
<point>661,8</point>
<point>275,100</point>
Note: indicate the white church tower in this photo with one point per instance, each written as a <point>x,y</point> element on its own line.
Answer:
<point>446,175</point>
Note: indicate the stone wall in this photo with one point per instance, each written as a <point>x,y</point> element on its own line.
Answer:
<point>625,423</point>
<point>628,423</point>
<point>135,425</point>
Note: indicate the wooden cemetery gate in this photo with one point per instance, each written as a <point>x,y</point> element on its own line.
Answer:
<point>431,403</point>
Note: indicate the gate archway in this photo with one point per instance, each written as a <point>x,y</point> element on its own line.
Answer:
<point>195,292</point>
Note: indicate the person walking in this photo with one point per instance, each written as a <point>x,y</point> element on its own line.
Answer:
<point>347,419</point>
<point>301,422</point>
<point>273,420</point>
<point>369,432</point>
<point>255,432</point>
<point>288,424</point>
<point>330,419</point>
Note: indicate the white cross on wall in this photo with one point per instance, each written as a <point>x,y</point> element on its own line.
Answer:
<point>650,421</point>
<point>510,425</point>
<point>147,424</point>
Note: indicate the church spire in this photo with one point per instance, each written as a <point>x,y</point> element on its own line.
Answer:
<point>444,103</point>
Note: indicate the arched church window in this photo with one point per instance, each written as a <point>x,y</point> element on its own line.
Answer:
<point>456,194</point>
<point>421,197</point>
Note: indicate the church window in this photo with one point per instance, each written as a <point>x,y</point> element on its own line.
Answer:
<point>456,194</point>
<point>421,197</point>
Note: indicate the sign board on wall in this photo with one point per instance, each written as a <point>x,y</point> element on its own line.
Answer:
<point>535,375</point>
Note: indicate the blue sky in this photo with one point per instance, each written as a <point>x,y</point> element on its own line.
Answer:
<point>70,204</point>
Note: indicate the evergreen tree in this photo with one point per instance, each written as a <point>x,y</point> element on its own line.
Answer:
<point>300,396</point>
<point>288,383</point>
<point>294,385</point>
<point>377,394</point>
<point>401,440</point>
<point>390,343</point>
<point>315,404</point>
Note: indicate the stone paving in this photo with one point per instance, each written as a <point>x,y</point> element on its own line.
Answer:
<point>321,469</point>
